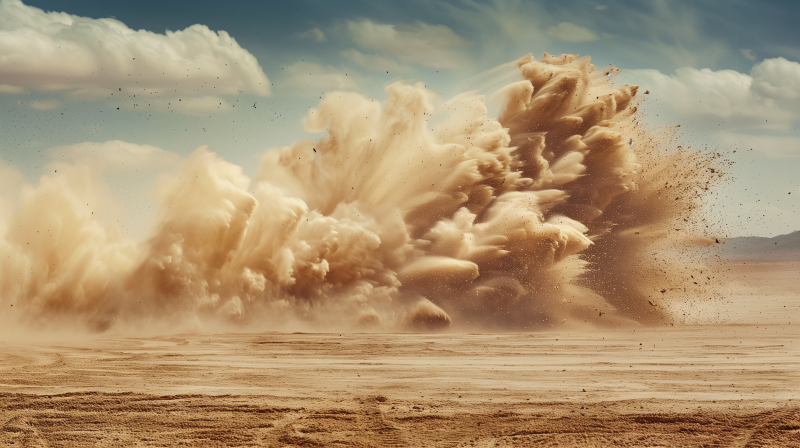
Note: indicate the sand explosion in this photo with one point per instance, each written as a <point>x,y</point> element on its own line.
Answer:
<point>551,214</point>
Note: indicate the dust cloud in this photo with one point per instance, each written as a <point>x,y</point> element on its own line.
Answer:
<point>564,211</point>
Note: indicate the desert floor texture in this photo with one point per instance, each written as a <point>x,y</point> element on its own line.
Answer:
<point>728,375</point>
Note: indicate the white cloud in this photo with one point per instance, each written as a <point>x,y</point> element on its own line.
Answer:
<point>434,46</point>
<point>115,155</point>
<point>701,91</point>
<point>569,32</point>
<point>777,78</point>
<point>314,79</point>
<point>601,7</point>
<point>765,99</point>
<point>748,53</point>
<point>62,52</point>
<point>315,34</point>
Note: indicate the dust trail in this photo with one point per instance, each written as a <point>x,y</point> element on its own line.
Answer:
<point>404,216</point>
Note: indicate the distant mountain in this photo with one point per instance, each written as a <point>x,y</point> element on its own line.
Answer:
<point>779,248</point>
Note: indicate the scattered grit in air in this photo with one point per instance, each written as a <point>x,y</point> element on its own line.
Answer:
<point>563,211</point>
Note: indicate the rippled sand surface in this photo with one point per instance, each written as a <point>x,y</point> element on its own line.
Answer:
<point>728,384</point>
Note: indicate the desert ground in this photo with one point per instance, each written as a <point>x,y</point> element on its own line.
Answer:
<point>728,374</point>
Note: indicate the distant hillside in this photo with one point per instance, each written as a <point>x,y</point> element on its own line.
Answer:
<point>779,248</point>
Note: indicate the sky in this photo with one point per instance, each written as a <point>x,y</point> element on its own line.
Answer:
<point>133,88</point>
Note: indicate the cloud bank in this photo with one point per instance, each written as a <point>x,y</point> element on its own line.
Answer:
<point>765,98</point>
<point>55,51</point>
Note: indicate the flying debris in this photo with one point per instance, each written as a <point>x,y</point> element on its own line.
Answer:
<point>532,219</point>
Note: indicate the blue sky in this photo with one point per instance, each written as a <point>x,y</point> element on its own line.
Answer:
<point>728,74</point>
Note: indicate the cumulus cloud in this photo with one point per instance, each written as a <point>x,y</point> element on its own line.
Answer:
<point>57,51</point>
<point>748,53</point>
<point>777,78</point>
<point>701,91</point>
<point>422,44</point>
<point>737,111</point>
<point>115,155</point>
<point>765,98</point>
<point>315,34</point>
<point>570,32</point>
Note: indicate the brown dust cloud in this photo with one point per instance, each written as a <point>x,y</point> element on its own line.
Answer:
<point>564,211</point>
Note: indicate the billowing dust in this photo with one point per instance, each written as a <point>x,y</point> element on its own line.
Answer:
<point>563,211</point>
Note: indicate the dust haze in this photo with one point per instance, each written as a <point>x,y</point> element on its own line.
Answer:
<point>410,213</point>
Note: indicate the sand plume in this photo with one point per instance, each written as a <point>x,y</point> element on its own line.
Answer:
<point>404,215</point>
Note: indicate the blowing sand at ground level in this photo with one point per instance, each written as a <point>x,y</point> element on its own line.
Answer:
<point>727,384</point>
<point>724,385</point>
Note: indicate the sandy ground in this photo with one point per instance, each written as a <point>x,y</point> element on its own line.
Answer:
<point>732,383</point>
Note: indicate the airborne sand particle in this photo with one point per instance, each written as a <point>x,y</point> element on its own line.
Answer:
<point>548,215</point>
